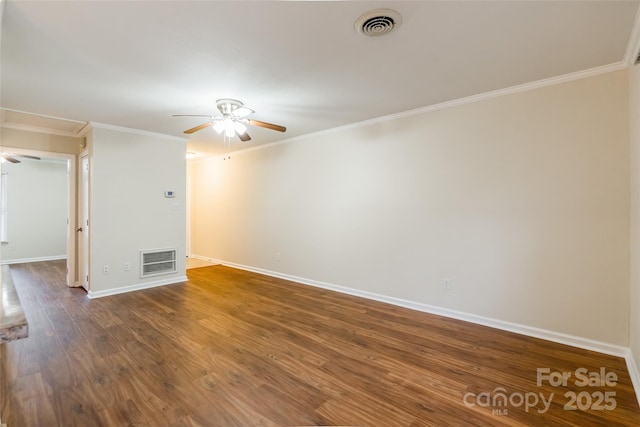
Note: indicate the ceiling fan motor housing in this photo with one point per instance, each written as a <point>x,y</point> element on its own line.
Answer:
<point>227,106</point>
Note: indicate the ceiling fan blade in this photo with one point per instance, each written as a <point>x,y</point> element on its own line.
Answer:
<point>10,159</point>
<point>197,128</point>
<point>244,137</point>
<point>191,115</point>
<point>267,125</point>
<point>26,156</point>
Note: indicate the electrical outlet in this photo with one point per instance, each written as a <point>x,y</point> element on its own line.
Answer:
<point>126,266</point>
<point>105,269</point>
<point>446,284</point>
<point>278,256</point>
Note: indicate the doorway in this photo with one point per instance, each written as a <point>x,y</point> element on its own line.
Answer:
<point>70,161</point>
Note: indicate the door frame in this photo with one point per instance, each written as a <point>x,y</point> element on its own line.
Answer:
<point>84,259</point>
<point>72,278</point>
<point>188,212</point>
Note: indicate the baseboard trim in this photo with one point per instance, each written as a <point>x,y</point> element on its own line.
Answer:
<point>37,259</point>
<point>138,287</point>
<point>558,337</point>
<point>632,367</point>
<point>202,258</point>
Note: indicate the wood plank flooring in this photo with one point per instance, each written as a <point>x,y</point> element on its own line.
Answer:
<point>232,348</point>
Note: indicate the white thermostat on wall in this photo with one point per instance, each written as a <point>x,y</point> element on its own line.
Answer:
<point>169,194</point>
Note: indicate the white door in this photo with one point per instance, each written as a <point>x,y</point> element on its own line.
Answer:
<point>83,225</point>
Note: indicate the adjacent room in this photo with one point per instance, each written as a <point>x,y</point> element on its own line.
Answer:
<point>365,213</point>
<point>34,234</point>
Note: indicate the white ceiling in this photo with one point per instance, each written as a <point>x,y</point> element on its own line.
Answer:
<point>298,64</point>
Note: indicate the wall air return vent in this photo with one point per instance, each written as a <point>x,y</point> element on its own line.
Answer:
<point>377,22</point>
<point>157,262</point>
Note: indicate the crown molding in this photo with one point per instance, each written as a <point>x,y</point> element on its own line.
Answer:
<point>38,129</point>
<point>137,132</point>
<point>633,46</point>
<point>79,125</point>
<point>565,78</point>
<point>631,54</point>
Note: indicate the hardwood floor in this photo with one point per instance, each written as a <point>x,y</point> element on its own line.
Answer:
<point>232,348</point>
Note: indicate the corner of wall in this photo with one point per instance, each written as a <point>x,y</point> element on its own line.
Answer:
<point>633,359</point>
<point>634,372</point>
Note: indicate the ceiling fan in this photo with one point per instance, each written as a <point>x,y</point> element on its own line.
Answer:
<point>9,157</point>
<point>233,120</point>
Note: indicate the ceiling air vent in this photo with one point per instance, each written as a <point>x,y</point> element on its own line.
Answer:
<point>378,22</point>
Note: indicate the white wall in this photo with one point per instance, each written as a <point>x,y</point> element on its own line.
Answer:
<point>37,205</point>
<point>634,136</point>
<point>522,201</point>
<point>129,172</point>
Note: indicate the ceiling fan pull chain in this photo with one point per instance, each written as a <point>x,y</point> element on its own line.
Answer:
<point>227,147</point>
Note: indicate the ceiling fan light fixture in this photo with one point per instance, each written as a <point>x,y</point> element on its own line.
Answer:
<point>229,127</point>
<point>218,126</point>
<point>239,127</point>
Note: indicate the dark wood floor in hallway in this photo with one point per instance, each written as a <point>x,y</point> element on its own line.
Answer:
<point>233,348</point>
